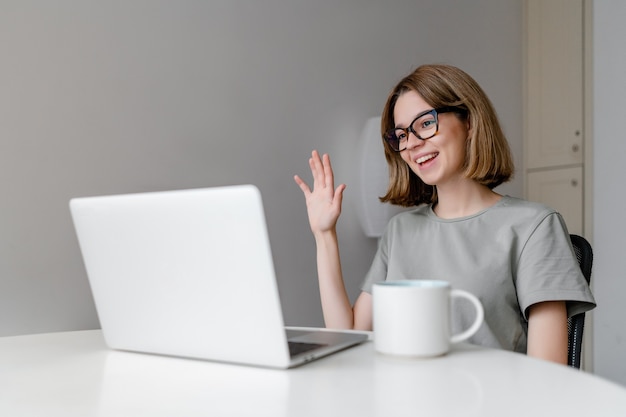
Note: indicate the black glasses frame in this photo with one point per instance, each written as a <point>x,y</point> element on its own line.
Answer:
<point>393,141</point>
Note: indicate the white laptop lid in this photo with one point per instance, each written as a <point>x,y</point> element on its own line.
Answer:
<point>184,273</point>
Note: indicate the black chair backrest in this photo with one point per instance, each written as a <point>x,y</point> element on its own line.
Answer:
<point>576,324</point>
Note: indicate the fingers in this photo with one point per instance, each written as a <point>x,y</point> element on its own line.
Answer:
<point>338,198</point>
<point>329,180</point>
<point>317,169</point>
<point>303,185</point>
<point>322,170</point>
<point>323,201</point>
<point>323,176</point>
<point>339,194</point>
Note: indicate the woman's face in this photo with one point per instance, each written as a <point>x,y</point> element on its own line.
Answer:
<point>440,159</point>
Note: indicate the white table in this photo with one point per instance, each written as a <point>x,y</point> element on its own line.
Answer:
<point>74,374</point>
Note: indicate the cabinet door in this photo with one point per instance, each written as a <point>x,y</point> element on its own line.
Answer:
<point>562,190</point>
<point>555,83</point>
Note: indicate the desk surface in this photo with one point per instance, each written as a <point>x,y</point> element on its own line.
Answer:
<point>74,374</point>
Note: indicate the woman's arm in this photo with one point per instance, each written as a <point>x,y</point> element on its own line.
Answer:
<point>324,207</point>
<point>338,313</point>
<point>547,331</point>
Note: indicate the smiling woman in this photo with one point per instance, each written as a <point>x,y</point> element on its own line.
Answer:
<point>446,153</point>
<point>488,158</point>
<point>440,160</point>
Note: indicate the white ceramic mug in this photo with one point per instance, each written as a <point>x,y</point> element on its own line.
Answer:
<point>412,317</point>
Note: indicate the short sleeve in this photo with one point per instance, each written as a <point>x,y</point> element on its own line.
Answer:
<point>548,269</point>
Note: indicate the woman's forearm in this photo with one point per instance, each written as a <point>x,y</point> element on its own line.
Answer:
<point>338,313</point>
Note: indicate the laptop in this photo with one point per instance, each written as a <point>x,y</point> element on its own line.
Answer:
<point>189,273</point>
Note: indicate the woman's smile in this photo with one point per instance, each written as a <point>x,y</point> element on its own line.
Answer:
<point>421,160</point>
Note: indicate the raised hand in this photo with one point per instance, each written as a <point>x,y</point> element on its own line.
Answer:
<point>324,201</point>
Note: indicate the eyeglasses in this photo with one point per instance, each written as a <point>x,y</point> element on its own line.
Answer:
<point>424,126</point>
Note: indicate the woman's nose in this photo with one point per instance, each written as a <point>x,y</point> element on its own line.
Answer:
<point>413,141</point>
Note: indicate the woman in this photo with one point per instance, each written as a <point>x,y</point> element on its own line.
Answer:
<point>446,152</point>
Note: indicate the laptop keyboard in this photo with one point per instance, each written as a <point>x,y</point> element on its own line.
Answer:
<point>296,348</point>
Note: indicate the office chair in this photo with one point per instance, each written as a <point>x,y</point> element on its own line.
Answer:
<point>575,324</point>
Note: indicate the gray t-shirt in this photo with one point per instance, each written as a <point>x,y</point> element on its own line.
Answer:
<point>511,256</point>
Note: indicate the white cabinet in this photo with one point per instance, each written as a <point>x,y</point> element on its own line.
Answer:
<point>555,83</point>
<point>562,190</point>
<point>554,107</point>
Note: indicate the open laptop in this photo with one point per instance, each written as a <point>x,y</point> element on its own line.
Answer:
<point>190,273</point>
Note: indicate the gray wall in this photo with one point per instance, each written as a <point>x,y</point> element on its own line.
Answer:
<point>609,203</point>
<point>121,96</point>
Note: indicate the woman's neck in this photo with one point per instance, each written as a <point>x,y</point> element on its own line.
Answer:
<point>464,199</point>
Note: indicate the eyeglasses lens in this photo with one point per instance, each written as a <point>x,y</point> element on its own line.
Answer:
<point>424,127</point>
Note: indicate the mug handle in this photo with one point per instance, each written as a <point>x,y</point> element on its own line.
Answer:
<point>480,315</point>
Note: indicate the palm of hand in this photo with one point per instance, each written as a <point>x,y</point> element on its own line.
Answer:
<point>324,201</point>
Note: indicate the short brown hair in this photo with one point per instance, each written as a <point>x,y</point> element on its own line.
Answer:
<point>488,157</point>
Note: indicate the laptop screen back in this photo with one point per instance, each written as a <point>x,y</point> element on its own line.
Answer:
<point>185,273</point>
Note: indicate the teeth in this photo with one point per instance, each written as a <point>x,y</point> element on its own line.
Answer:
<point>425,158</point>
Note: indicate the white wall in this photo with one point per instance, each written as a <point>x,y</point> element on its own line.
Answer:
<point>143,95</point>
<point>609,201</point>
